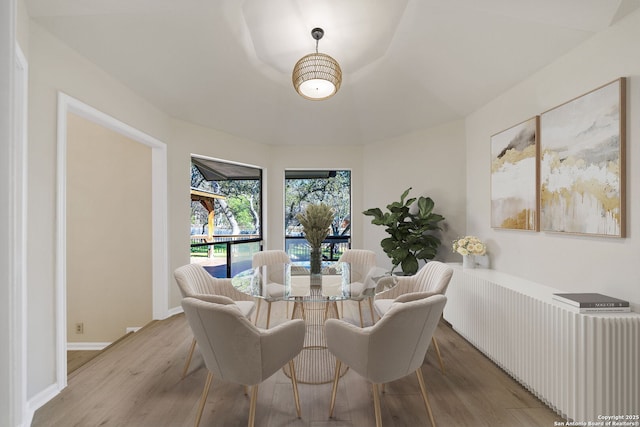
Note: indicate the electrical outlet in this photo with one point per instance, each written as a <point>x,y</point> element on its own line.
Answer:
<point>80,328</point>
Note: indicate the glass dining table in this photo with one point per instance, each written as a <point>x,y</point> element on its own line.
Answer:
<point>314,298</point>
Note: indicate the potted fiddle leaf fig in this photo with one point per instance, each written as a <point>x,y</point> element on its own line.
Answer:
<point>410,231</point>
<point>316,224</point>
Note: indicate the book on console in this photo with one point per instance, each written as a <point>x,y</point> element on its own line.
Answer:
<point>593,310</point>
<point>592,302</point>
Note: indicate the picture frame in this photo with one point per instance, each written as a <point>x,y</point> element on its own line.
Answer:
<point>514,177</point>
<point>582,164</point>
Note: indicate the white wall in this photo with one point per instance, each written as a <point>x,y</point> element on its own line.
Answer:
<point>7,245</point>
<point>571,263</point>
<point>312,157</point>
<point>22,26</point>
<point>432,162</point>
<point>55,67</point>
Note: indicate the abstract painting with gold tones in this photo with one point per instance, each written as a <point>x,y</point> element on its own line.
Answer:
<point>514,179</point>
<point>582,164</point>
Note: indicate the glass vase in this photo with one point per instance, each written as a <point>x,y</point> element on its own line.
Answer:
<point>316,261</point>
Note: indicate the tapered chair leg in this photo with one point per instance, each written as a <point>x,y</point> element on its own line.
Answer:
<point>203,399</point>
<point>360,312</point>
<point>252,405</point>
<point>189,356</point>
<point>331,305</point>
<point>435,345</point>
<point>373,316</point>
<point>423,390</point>
<point>268,313</point>
<point>376,405</point>
<point>296,307</point>
<point>335,307</point>
<point>336,378</point>
<point>257,311</point>
<point>294,383</point>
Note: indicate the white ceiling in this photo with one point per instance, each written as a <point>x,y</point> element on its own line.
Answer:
<point>407,64</point>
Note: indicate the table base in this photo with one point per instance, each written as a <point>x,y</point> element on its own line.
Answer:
<point>315,364</point>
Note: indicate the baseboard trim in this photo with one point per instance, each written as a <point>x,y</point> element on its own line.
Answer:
<point>38,401</point>
<point>75,346</point>
<point>173,311</point>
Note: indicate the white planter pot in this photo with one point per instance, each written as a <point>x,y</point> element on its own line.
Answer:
<point>468,262</point>
<point>475,261</point>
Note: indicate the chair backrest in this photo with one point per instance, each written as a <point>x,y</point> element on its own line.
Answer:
<point>273,261</point>
<point>269,258</point>
<point>434,276</point>
<point>193,279</point>
<point>398,342</point>
<point>229,343</point>
<point>361,262</point>
<point>233,348</point>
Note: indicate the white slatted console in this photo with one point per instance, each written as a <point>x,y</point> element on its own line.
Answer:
<point>581,365</point>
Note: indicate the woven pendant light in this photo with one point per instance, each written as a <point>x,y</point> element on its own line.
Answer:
<point>317,76</point>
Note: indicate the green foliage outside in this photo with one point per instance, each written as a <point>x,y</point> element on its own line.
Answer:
<point>333,191</point>
<point>238,212</point>
<point>242,211</point>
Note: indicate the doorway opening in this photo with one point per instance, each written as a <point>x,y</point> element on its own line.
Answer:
<point>158,219</point>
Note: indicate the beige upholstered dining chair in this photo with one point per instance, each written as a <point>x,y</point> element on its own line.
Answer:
<point>389,350</point>
<point>235,350</point>
<point>196,282</point>
<point>272,263</point>
<point>433,278</point>
<point>361,263</point>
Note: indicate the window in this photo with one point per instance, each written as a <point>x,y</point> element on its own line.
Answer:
<point>304,187</point>
<point>226,215</point>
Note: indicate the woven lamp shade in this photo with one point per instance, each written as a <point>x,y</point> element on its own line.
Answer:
<point>317,76</point>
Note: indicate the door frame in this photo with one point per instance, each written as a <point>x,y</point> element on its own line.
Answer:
<point>159,258</point>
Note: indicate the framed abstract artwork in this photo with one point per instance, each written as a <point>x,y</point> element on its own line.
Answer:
<point>514,177</point>
<point>582,164</point>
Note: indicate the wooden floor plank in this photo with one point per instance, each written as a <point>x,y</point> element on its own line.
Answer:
<point>138,383</point>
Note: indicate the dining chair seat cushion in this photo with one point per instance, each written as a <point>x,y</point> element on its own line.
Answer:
<point>275,290</point>
<point>218,299</point>
<point>412,296</point>
<point>383,305</point>
<point>356,289</point>
<point>245,307</point>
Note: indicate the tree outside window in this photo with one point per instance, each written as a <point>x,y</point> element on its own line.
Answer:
<point>306,187</point>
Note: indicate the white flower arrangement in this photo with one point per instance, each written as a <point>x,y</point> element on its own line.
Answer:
<point>469,245</point>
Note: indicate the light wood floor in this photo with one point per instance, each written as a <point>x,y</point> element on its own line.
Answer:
<point>78,358</point>
<point>137,382</point>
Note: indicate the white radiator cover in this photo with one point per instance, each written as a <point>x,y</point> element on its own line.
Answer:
<point>582,365</point>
